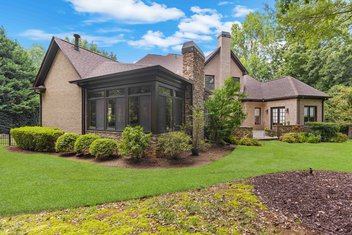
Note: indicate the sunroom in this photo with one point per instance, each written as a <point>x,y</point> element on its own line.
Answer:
<point>152,97</point>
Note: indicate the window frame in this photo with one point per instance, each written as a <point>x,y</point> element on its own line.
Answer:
<point>309,114</point>
<point>205,81</point>
<point>260,116</point>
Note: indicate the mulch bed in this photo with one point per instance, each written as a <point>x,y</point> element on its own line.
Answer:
<point>185,160</point>
<point>322,201</point>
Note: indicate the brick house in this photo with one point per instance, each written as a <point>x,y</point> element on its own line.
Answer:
<point>84,92</point>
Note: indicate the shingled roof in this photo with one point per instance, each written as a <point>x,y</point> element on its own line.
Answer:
<point>172,62</point>
<point>282,88</point>
<point>86,63</point>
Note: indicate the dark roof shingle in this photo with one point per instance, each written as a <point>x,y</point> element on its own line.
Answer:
<point>172,62</point>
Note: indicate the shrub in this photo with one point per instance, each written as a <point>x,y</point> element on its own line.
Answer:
<point>134,142</point>
<point>83,142</point>
<point>311,138</point>
<point>324,129</point>
<point>249,142</point>
<point>103,149</point>
<point>293,137</point>
<point>66,142</point>
<point>234,140</point>
<point>172,144</point>
<point>340,137</point>
<point>35,138</point>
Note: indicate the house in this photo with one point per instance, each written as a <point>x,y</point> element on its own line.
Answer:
<point>84,92</point>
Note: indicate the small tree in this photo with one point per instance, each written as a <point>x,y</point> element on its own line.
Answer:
<point>339,107</point>
<point>224,111</point>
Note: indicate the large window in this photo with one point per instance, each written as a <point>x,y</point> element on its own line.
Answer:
<point>170,109</point>
<point>278,116</point>
<point>209,82</point>
<point>257,116</point>
<point>310,113</point>
<point>139,107</point>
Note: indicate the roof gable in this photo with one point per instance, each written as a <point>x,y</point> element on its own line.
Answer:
<point>172,62</point>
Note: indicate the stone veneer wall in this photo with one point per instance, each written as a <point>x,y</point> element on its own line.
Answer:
<point>280,130</point>
<point>243,132</point>
<point>193,69</point>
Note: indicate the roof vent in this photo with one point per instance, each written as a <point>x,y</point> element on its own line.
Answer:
<point>77,37</point>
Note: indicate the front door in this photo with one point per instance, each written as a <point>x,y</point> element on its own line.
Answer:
<point>277,116</point>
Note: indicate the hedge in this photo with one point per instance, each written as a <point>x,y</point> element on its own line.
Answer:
<point>36,138</point>
<point>134,142</point>
<point>326,130</point>
<point>103,149</point>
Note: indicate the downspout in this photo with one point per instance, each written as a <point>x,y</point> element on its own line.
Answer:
<point>298,111</point>
<point>83,111</point>
<point>322,110</point>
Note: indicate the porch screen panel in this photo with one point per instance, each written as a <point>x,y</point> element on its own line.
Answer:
<point>100,114</point>
<point>120,113</point>
<point>145,112</point>
<point>161,114</point>
<point>178,113</point>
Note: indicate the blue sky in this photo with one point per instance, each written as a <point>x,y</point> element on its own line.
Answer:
<point>129,28</point>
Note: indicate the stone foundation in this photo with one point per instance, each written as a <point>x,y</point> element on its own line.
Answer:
<point>243,132</point>
<point>280,130</point>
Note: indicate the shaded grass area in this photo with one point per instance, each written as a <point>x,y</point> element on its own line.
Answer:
<point>37,182</point>
<point>226,209</point>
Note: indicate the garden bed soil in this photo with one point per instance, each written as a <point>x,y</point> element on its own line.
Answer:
<point>322,201</point>
<point>185,160</point>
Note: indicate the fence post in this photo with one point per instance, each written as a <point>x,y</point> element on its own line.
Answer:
<point>9,139</point>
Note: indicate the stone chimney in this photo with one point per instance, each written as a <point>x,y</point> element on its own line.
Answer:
<point>193,69</point>
<point>77,37</point>
<point>224,43</point>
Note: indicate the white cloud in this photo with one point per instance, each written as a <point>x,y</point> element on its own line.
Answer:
<point>223,3</point>
<point>128,11</point>
<point>240,11</point>
<point>101,41</point>
<point>202,26</point>
<point>114,30</point>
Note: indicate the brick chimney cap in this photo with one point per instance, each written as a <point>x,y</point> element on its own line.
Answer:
<point>191,46</point>
<point>224,34</point>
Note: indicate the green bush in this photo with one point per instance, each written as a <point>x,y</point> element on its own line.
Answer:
<point>172,144</point>
<point>325,129</point>
<point>311,138</point>
<point>83,142</point>
<point>35,138</point>
<point>66,142</point>
<point>294,137</point>
<point>234,140</point>
<point>134,142</point>
<point>249,142</point>
<point>103,149</point>
<point>340,137</point>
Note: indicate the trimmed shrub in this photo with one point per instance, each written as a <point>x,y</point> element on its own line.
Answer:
<point>172,144</point>
<point>249,142</point>
<point>293,137</point>
<point>340,137</point>
<point>66,143</point>
<point>36,138</point>
<point>313,139</point>
<point>103,149</point>
<point>134,142</point>
<point>83,142</point>
<point>234,140</point>
<point>324,129</point>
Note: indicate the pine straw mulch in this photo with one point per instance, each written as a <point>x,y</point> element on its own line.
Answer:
<point>321,200</point>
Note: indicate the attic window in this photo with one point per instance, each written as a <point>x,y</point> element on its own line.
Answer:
<point>236,80</point>
<point>209,82</point>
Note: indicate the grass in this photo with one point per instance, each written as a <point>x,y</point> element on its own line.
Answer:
<point>37,182</point>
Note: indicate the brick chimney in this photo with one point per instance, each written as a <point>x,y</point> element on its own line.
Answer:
<point>193,69</point>
<point>224,43</point>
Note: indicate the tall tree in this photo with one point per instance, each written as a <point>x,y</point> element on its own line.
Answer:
<point>36,52</point>
<point>93,47</point>
<point>314,21</point>
<point>339,106</point>
<point>258,44</point>
<point>18,102</point>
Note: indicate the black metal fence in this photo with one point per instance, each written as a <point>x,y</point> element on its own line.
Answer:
<point>5,136</point>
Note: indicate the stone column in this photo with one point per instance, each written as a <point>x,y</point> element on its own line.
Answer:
<point>193,69</point>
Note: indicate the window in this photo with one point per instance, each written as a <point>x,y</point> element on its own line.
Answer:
<point>165,109</point>
<point>310,113</point>
<point>257,116</point>
<point>278,116</point>
<point>236,80</point>
<point>111,114</point>
<point>209,82</point>
<point>139,107</point>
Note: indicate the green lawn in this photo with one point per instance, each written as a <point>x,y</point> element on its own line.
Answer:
<point>36,182</point>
